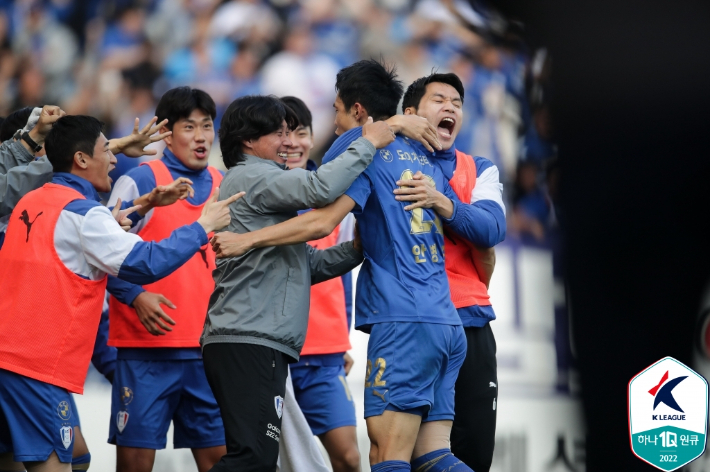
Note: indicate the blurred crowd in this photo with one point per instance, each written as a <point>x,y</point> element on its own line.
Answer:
<point>113,59</point>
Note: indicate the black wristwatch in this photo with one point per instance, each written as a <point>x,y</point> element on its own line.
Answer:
<point>33,145</point>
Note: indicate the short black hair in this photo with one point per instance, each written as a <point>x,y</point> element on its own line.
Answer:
<point>373,85</point>
<point>69,135</point>
<point>14,121</point>
<point>251,117</point>
<point>180,102</point>
<point>416,91</point>
<point>303,114</point>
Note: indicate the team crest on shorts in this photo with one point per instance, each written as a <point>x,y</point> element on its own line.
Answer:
<point>121,420</point>
<point>279,405</point>
<point>64,410</point>
<point>67,434</point>
<point>668,414</point>
<point>126,395</point>
<point>386,155</point>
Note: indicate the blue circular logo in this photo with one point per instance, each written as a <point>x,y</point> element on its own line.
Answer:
<point>64,410</point>
<point>386,155</point>
<point>126,395</point>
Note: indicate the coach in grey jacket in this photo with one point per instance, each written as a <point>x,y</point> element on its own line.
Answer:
<point>258,313</point>
<point>19,172</point>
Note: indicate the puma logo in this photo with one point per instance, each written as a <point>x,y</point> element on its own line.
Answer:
<point>25,217</point>
<point>203,253</point>
<point>378,394</point>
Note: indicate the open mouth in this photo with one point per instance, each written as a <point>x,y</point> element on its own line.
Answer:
<point>446,127</point>
<point>294,156</point>
<point>201,152</point>
<point>282,155</point>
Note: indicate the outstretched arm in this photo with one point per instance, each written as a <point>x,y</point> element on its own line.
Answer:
<point>311,225</point>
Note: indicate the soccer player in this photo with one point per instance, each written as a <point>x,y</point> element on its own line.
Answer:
<point>439,98</point>
<point>59,247</point>
<point>142,406</point>
<point>417,343</point>
<point>319,376</point>
<point>258,313</point>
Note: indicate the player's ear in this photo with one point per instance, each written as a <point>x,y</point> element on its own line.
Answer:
<point>248,144</point>
<point>410,111</point>
<point>81,160</point>
<point>168,139</point>
<point>359,112</point>
<point>313,140</point>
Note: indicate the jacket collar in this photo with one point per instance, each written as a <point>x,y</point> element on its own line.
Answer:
<point>79,184</point>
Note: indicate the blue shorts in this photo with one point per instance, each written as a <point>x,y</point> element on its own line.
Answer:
<point>323,394</point>
<point>36,418</point>
<point>412,367</point>
<point>148,394</point>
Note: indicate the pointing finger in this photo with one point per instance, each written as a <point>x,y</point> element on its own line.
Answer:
<point>234,198</point>
<point>128,211</point>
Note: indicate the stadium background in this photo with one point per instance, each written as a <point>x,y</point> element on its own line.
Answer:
<point>113,60</point>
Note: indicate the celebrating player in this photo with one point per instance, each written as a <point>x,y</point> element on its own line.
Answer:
<point>439,98</point>
<point>59,247</point>
<point>142,406</point>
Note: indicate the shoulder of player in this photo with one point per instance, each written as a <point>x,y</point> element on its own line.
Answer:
<point>143,177</point>
<point>482,165</point>
<point>82,206</point>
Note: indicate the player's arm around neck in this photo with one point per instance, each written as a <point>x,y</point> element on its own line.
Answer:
<point>311,225</point>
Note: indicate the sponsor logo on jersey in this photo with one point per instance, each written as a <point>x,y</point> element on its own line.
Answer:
<point>279,405</point>
<point>126,395</point>
<point>273,432</point>
<point>386,155</point>
<point>67,435</point>
<point>64,410</point>
<point>121,420</point>
<point>668,414</point>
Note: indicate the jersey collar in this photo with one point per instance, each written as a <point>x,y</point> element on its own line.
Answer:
<point>79,184</point>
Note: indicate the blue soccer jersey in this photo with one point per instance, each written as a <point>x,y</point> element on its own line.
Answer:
<point>403,277</point>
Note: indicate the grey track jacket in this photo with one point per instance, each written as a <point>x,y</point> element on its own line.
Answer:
<point>19,174</point>
<point>263,296</point>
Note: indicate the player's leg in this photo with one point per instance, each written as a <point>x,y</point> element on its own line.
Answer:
<point>207,457</point>
<point>392,437</point>
<point>324,397</point>
<point>341,445</point>
<point>145,393</point>
<point>197,421</point>
<point>80,457</point>
<point>403,364</point>
<point>137,459</point>
<point>35,424</point>
<point>52,464</point>
<point>474,429</point>
<point>432,451</point>
<point>249,383</point>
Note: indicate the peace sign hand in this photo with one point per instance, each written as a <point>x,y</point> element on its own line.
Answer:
<point>121,216</point>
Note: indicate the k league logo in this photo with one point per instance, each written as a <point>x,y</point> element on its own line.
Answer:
<point>668,414</point>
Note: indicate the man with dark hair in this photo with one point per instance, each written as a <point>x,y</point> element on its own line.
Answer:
<point>469,262</point>
<point>319,377</point>
<point>139,326</point>
<point>53,272</point>
<point>258,313</point>
<point>417,343</point>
